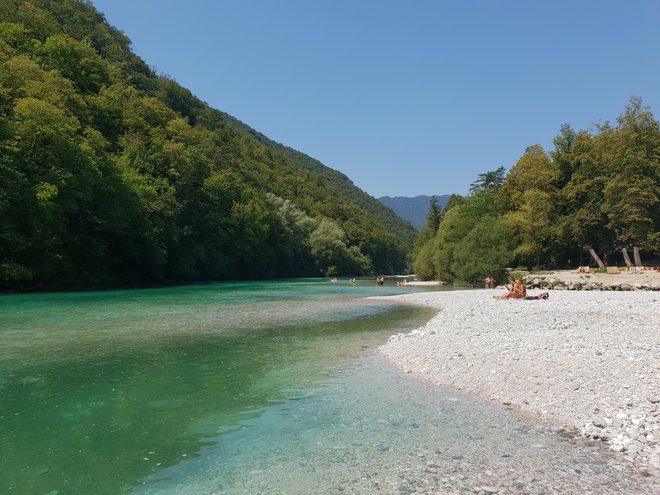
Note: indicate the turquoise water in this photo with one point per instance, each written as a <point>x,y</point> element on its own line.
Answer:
<point>101,389</point>
<point>261,387</point>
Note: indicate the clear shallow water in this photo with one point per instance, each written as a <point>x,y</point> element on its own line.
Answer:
<point>246,388</point>
<point>100,389</point>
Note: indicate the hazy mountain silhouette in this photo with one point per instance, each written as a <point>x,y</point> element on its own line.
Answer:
<point>412,209</point>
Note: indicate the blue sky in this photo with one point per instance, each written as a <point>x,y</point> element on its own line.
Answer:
<point>405,98</point>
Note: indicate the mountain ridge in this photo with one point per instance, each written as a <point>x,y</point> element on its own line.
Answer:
<point>413,209</point>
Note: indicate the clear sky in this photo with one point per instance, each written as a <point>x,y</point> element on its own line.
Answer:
<point>405,97</point>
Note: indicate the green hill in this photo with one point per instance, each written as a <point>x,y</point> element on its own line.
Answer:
<point>112,174</point>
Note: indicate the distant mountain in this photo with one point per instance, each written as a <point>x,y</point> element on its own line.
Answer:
<point>412,209</point>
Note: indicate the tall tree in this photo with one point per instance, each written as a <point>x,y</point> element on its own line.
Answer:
<point>561,155</point>
<point>612,198</point>
<point>488,181</point>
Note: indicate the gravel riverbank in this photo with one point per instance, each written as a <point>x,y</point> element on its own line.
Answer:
<point>586,360</point>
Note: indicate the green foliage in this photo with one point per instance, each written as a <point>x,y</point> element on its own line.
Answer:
<point>533,171</point>
<point>430,228</point>
<point>612,200</point>
<point>533,220</point>
<point>488,181</point>
<point>331,253</point>
<point>423,264</point>
<point>486,249</point>
<point>561,155</point>
<point>76,61</point>
<point>112,174</point>
<point>454,200</point>
<point>595,190</point>
<point>466,233</point>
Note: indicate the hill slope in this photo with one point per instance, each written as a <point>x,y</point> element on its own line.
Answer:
<point>414,210</point>
<point>110,173</point>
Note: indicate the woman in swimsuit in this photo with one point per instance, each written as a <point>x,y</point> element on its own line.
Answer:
<point>517,290</point>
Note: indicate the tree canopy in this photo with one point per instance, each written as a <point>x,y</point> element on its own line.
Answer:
<point>112,174</point>
<point>598,189</point>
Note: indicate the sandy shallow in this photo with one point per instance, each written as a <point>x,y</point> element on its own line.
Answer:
<point>584,360</point>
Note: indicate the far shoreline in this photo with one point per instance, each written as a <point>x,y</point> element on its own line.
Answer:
<point>575,280</point>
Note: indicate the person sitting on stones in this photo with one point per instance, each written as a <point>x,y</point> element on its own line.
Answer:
<point>517,290</point>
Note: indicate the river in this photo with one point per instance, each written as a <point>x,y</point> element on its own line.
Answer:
<point>255,387</point>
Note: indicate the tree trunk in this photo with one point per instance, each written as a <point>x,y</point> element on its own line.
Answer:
<point>626,258</point>
<point>598,260</point>
<point>638,260</point>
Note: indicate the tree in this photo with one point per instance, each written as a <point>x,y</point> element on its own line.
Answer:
<point>453,200</point>
<point>487,249</point>
<point>527,198</point>
<point>331,253</point>
<point>534,170</point>
<point>611,200</point>
<point>433,217</point>
<point>533,221</point>
<point>488,181</point>
<point>430,227</point>
<point>456,225</point>
<point>423,264</point>
<point>562,153</point>
<point>328,247</point>
<point>76,61</point>
<point>291,234</point>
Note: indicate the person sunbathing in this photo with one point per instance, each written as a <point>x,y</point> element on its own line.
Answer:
<point>541,296</point>
<point>517,290</point>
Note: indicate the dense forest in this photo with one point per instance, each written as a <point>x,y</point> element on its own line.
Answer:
<point>113,174</point>
<point>597,189</point>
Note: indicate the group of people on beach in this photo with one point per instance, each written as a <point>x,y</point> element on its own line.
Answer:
<point>489,282</point>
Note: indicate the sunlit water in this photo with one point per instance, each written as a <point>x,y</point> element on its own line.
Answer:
<point>243,388</point>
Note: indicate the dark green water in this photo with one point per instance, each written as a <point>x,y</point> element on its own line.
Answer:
<point>251,388</point>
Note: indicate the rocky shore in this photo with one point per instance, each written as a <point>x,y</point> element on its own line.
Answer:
<point>571,280</point>
<point>589,361</point>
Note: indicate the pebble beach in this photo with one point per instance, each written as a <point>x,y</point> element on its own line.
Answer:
<point>587,361</point>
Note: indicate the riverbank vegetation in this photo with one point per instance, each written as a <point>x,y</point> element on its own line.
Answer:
<point>597,189</point>
<point>113,174</point>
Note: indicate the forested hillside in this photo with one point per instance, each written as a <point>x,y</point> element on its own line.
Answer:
<point>112,174</point>
<point>597,189</point>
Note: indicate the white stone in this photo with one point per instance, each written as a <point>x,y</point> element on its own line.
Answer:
<point>544,356</point>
